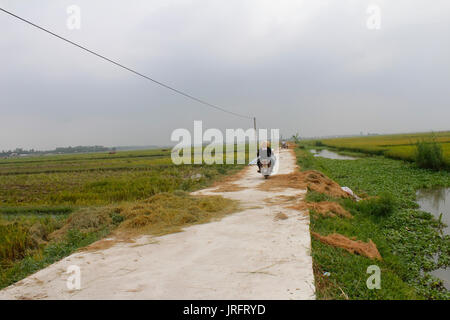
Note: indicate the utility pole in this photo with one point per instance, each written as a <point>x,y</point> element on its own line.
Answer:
<point>256,133</point>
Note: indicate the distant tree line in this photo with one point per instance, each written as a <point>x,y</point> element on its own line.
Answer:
<point>59,150</point>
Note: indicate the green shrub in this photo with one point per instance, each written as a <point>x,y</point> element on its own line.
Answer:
<point>429,155</point>
<point>296,138</point>
<point>381,206</point>
<point>318,143</point>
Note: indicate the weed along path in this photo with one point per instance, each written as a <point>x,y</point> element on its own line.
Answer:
<point>260,252</point>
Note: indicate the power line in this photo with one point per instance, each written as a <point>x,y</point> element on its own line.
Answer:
<point>126,68</point>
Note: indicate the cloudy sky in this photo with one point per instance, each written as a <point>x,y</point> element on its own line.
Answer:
<point>312,67</point>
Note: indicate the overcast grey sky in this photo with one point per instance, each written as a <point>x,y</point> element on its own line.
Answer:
<point>311,67</point>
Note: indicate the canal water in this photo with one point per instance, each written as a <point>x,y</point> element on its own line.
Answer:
<point>437,201</point>
<point>324,153</point>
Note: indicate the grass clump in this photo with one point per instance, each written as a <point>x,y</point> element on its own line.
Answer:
<point>14,241</point>
<point>85,221</point>
<point>20,236</point>
<point>45,256</point>
<point>33,241</point>
<point>429,154</point>
<point>314,196</point>
<point>380,206</point>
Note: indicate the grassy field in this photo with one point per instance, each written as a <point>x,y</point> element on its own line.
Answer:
<point>95,179</point>
<point>52,205</point>
<point>399,146</point>
<point>407,238</point>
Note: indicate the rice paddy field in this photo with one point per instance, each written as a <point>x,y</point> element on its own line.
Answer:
<point>52,205</point>
<point>398,146</point>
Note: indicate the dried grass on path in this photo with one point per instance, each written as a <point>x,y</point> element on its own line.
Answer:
<point>326,208</point>
<point>367,249</point>
<point>312,179</point>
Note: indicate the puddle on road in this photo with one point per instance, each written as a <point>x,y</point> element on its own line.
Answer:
<point>324,153</point>
<point>437,201</point>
